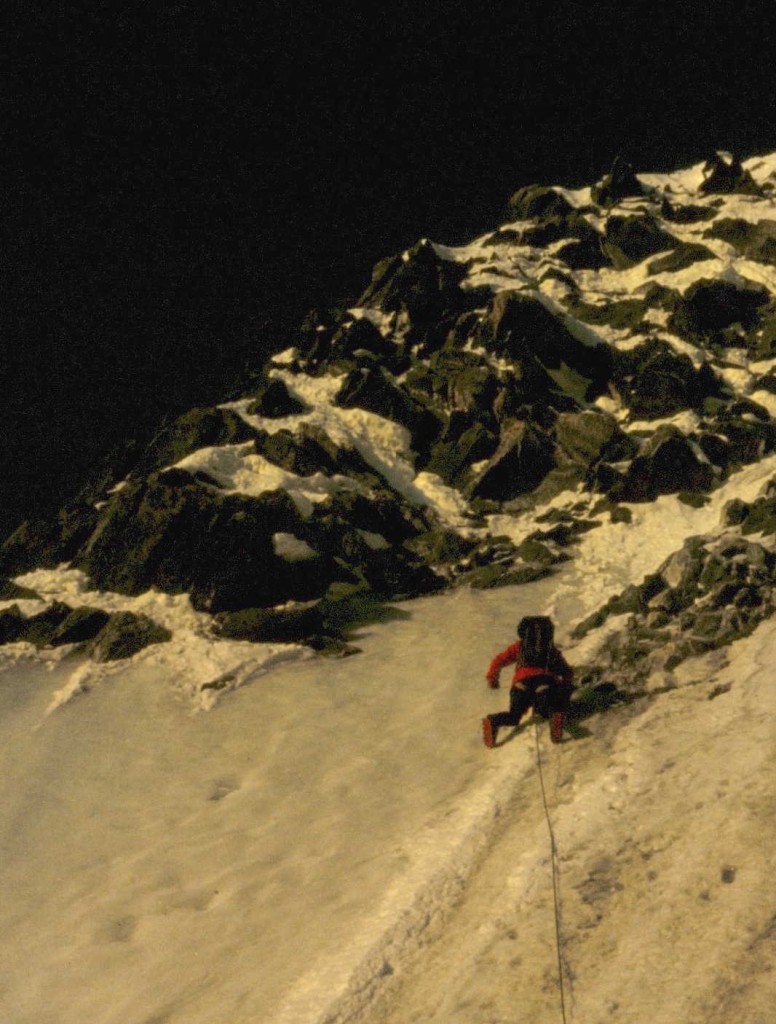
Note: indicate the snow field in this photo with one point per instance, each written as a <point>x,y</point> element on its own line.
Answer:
<point>664,822</point>
<point>177,865</point>
<point>290,856</point>
<point>333,845</point>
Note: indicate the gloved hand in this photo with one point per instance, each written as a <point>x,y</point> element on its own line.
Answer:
<point>493,682</point>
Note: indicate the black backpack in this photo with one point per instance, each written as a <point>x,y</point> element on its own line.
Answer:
<point>536,633</point>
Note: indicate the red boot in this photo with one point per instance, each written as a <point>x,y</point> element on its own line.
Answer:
<point>557,720</point>
<point>489,731</point>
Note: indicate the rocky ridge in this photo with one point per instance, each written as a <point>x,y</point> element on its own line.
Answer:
<point>601,348</point>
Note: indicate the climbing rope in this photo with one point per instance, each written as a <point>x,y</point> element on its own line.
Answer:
<point>555,875</point>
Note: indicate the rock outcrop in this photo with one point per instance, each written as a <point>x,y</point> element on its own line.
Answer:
<point>612,344</point>
<point>713,591</point>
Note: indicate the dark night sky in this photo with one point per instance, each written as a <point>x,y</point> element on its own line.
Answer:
<point>184,183</point>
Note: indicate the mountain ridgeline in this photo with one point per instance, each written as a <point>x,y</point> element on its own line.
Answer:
<point>475,412</point>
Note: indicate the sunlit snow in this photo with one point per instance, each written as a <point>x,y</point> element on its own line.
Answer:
<point>330,843</point>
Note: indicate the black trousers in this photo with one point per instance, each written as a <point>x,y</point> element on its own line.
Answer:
<point>543,693</point>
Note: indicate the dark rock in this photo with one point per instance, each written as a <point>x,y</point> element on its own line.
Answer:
<point>679,213</point>
<point>392,574</point>
<point>422,285</point>
<point>603,478</point>
<point>80,625</point>
<point>532,550</point>
<point>717,449</point>
<point>620,183</point>
<point>709,593</point>
<point>735,512</point>
<point>710,306</point>
<point>565,533</point>
<point>452,459</point>
<point>748,430</point>
<point>440,546</point>
<point>124,635</point>
<point>655,381</point>
<point>358,338</point>
<point>525,455</point>
<point>384,572</point>
<point>12,624</point>
<point>465,382</point>
<point>509,403</point>
<point>623,315</point>
<point>747,597</point>
<point>758,516</point>
<point>583,255</point>
<point>661,297</point>
<point>464,325</point>
<point>631,600</point>
<point>630,240</point>
<point>302,452</point>
<point>707,624</point>
<point>186,538</point>
<point>587,437</point>
<point>667,465</point>
<point>762,342</point>
<point>693,499</point>
<point>755,240</point>
<point>315,335</point>
<point>46,543</point>
<point>296,451</point>
<point>726,594</point>
<point>683,256</point>
<point>554,228</point>
<point>713,571</point>
<point>549,359</point>
<point>375,391</point>
<point>309,450</point>
<point>10,591</point>
<point>40,629</point>
<point>380,512</point>
<point>724,174</point>
<point>175,477</point>
<point>559,479</point>
<point>535,202</point>
<point>767,382</point>
<point>270,625</point>
<point>491,576</point>
<point>274,401</point>
<point>344,608</point>
<point>199,428</point>
<point>460,387</point>
<point>620,514</point>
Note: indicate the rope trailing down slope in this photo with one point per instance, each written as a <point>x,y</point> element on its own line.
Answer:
<point>554,860</point>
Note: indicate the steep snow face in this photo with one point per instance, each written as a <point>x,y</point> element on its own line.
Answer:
<point>336,844</point>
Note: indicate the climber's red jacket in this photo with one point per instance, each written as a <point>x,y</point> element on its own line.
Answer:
<point>556,666</point>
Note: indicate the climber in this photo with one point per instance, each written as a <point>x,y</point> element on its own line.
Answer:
<point>542,679</point>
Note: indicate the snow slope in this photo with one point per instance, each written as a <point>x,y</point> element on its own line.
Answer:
<point>330,843</point>
<point>334,844</point>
